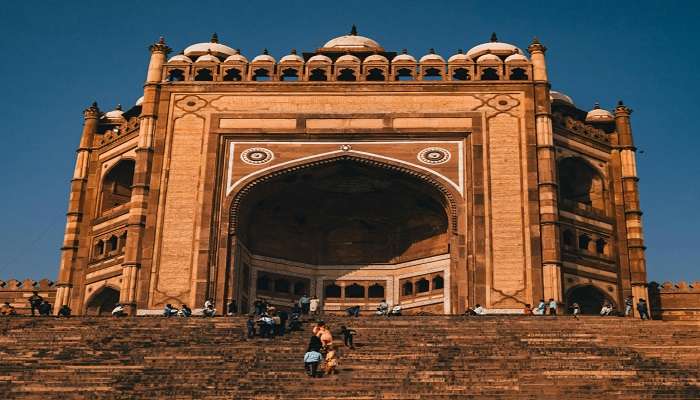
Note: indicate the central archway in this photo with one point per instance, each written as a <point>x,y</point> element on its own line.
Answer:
<point>350,231</point>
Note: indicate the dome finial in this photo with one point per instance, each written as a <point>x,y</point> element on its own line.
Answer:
<point>118,107</point>
<point>161,40</point>
<point>404,51</point>
<point>596,106</point>
<point>214,38</point>
<point>431,51</point>
<point>353,30</point>
<point>460,51</point>
<point>294,51</point>
<point>494,38</point>
<point>265,51</point>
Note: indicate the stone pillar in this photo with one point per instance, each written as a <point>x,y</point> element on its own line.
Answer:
<point>142,171</point>
<point>547,177</point>
<point>74,216</point>
<point>630,197</point>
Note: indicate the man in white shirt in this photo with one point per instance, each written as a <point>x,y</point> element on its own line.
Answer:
<point>479,310</point>
<point>118,311</point>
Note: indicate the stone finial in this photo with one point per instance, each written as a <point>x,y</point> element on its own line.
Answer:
<point>460,51</point>
<point>160,46</point>
<point>494,38</point>
<point>596,106</point>
<point>353,30</point>
<point>404,51</point>
<point>294,51</point>
<point>265,52</point>
<point>91,112</point>
<point>536,47</point>
<point>214,38</point>
<point>161,40</point>
<point>622,108</point>
<point>238,51</point>
<point>118,107</point>
<point>431,51</point>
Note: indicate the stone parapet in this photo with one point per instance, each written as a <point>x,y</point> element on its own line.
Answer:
<point>17,292</point>
<point>675,301</point>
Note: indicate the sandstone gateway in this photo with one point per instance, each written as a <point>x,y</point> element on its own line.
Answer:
<point>354,174</point>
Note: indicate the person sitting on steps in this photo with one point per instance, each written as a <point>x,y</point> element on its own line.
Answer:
<point>541,308</point>
<point>45,309</point>
<point>353,311</point>
<point>184,311</point>
<point>250,326</point>
<point>629,302</point>
<point>35,301</point>
<point>209,310</point>
<point>64,311</point>
<point>169,311</point>
<point>606,309</point>
<point>118,311</point>
<point>7,309</point>
<point>311,360</point>
<point>383,308</point>
<point>528,309</point>
<point>395,311</point>
<point>552,307</point>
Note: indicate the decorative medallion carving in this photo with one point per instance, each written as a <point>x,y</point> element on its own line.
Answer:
<point>434,155</point>
<point>257,156</point>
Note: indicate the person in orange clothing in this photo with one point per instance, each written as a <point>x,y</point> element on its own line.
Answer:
<point>331,361</point>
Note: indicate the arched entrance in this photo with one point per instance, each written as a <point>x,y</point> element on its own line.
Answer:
<point>589,297</point>
<point>347,230</point>
<point>102,302</point>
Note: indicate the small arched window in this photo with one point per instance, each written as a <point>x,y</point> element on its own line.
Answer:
<point>263,283</point>
<point>407,288</point>
<point>261,74</point>
<point>438,283</point>
<point>375,74</point>
<point>347,75</point>
<point>332,291</point>
<point>460,74</point>
<point>176,75</point>
<point>233,75</point>
<point>299,288</point>
<point>422,285</point>
<point>282,285</point>
<point>432,74</point>
<point>489,74</point>
<point>404,74</point>
<point>354,291</point>
<point>583,242</point>
<point>204,75</point>
<point>569,238</point>
<point>116,185</point>
<point>99,249</point>
<point>112,244</point>
<point>289,74</point>
<point>318,74</point>
<point>518,74</point>
<point>601,246</point>
<point>375,291</point>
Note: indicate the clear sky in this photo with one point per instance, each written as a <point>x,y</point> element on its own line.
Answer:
<point>59,56</point>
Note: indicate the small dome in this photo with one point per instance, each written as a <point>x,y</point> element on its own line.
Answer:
<point>117,113</point>
<point>236,58</point>
<point>139,101</point>
<point>494,47</point>
<point>264,57</point>
<point>558,96</point>
<point>352,42</point>
<point>404,56</point>
<point>376,58</point>
<point>489,59</point>
<point>180,58</point>
<point>516,57</point>
<point>207,58</point>
<point>431,56</point>
<point>597,114</point>
<point>347,58</point>
<point>320,58</point>
<point>216,48</point>
<point>459,57</point>
<point>292,57</point>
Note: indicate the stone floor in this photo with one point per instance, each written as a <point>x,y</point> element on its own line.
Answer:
<point>417,357</point>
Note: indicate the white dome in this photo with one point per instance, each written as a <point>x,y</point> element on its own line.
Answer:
<point>139,101</point>
<point>459,57</point>
<point>348,58</point>
<point>320,58</point>
<point>597,114</point>
<point>216,48</point>
<point>180,58</point>
<point>489,59</point>
<point>207,58</point>
<point>404,56</point>
<point>558,96</point>
<point>432,57</point>
<point>376,58</point>
<point>352,42</point>
<point>516,57</point>
<point>292,57</point>
<point>494,47</point>
<point>117,113</point>
<point>236,58</point>
<point>264,57</point>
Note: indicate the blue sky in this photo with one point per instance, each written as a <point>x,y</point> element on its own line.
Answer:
<point>59,56</point>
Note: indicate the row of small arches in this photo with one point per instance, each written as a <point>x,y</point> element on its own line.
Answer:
<point>107,247</point>
<point>585,241</point>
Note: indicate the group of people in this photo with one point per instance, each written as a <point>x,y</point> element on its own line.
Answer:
<point>185,311</point>
<point>37,304</point>
<point>322,349</point>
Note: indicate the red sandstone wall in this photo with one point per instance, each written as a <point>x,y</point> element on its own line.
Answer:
<point>17,292</point>
<point>679,301</point>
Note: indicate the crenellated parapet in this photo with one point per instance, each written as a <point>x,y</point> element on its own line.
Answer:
<point>675,301</point>
<point>17,292</point>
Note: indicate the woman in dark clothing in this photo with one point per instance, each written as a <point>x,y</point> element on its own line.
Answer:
<point>314,344</point>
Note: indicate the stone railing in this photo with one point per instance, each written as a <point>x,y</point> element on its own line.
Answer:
<point>675,301</point>
<point>17,292</point>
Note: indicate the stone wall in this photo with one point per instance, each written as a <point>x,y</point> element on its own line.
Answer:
<point>675,301</point>
<point>17,292</point>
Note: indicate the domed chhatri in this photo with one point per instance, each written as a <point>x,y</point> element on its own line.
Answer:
<point>264,57</point>
<point>598,114</point>
<point>431,56</point>
<point>493,47</point>
<point>180,58</point>
<point>291,57</point>
<point>217,49</point>
<point>117,113</point>
<point>460,57</point>
<point>352,42</point>
<point>404,56</point>
<point>555,96</point>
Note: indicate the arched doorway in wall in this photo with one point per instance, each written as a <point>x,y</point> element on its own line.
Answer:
<point>589,297</point>
<point>102,302</point>
<point>345,229</point>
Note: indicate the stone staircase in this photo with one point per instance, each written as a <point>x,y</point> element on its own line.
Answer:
<point>416,357</point>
